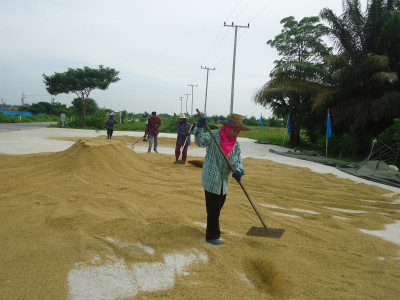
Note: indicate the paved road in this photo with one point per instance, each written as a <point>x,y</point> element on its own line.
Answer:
<point>4,127</point>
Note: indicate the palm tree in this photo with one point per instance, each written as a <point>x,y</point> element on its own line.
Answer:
<point>364,97</point>
<point>299,75</point>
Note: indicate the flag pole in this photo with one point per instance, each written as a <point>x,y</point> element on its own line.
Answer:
<point>286,129</point>
<point>256,131</point>
<point>259,123</point>
<point>326,148</point>
<point>328,132</point>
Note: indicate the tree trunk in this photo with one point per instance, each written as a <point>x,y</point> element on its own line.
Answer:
<point>84,112</point>
<point>294,133</point>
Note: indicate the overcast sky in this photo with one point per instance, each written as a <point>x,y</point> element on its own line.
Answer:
<point>158,46</point>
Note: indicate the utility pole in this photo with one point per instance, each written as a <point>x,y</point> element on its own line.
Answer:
<point>205,103</point>
<point>192,85</point>
<point>180,98</point>
<point>234,58</point>
<point>22,98</point>
<point>186,102</point>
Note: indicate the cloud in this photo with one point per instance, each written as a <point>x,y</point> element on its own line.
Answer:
<point>158,46</point>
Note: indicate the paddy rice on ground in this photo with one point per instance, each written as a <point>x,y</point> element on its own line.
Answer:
<point>100,220</point>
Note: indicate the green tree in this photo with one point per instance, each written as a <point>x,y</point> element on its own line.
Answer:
<point>91,106</point>
<point>81,82</point>
<point>298,75</point>
<point>40,107</point>
<point>58,109</point>
<point>364,97</point>
<point>391,136</point>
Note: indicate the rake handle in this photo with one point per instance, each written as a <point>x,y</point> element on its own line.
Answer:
<point>135,142</point>
<point>141,137</point>
<point>184,144</point>
<point>233,170</point>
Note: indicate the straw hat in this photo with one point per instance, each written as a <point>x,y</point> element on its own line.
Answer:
<point>182,116</point>
<point>236,121</point>
<point>112,114</point>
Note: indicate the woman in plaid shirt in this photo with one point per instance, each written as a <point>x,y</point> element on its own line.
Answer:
<point>216,172</point>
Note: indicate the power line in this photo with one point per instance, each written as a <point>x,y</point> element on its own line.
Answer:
<point>216,46</point>
<point>240,1</point>
<point>261,11</point>
<point>224,56</point>
<point>219,33</point>
<point>248,3</point>
<point>220,43</point>
<point>212,50</point>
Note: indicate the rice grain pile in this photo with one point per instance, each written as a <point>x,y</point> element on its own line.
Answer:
<point>99,221</point>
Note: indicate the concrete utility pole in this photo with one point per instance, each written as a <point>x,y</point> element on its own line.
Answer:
<point>192,85</point>
<point>180,98</point>
<point>234,59</point>
<point>205,103</point>
<point>186,102</point>
<point>22,98</point>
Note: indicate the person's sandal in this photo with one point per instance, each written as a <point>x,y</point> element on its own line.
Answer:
<point>215,241</point>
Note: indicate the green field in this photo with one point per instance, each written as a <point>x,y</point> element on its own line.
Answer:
<point>270,134</point>
<point>28,119</point>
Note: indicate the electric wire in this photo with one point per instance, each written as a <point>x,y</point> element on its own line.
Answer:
<point>214,51</point>
<point>240,1</point>
<point>240,33</point>
<point>248,3</point>
<point>261,11</point>
<point>223,57</point>
<point>218,35</point>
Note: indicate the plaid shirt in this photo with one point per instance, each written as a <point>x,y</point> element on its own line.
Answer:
<point>216,172</point>
<point>152,127</point>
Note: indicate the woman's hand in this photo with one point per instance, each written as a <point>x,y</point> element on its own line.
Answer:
<point>237,175</point>
<point>202,122</point>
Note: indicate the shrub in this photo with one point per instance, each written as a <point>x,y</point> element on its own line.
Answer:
<point>391,135</point>
<point>96,120</point>
<point>333,145</point>
<point>348,144</point>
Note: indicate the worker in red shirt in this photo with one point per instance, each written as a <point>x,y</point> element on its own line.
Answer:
<point>152,130</point>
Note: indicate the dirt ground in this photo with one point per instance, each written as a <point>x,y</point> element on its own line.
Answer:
<point>99,221</point>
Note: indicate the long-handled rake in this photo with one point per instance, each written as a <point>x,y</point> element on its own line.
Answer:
<point>131,145</point>
<point>253,231</point>
<point>144,139</point>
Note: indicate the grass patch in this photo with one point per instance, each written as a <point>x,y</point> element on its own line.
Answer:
<point>271,134</point>
<point>28,119</point>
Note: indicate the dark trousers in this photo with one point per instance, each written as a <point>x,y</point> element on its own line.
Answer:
<point>214,204</point>
<point>178,151</point>
<point>109,133</point>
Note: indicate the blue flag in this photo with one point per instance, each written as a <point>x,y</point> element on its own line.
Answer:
<point>328,127</point>
<point>288,124</point>
<point>261,122</point>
